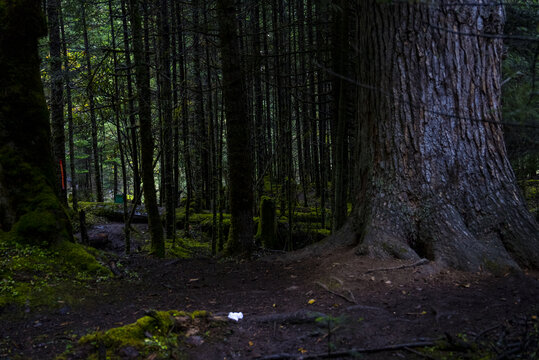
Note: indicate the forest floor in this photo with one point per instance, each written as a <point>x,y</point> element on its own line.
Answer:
<point>299,309</point>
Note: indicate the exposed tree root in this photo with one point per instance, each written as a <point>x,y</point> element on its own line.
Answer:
<point>297,317</point>
<point>417,263</point>
<point>349,352</point>
<point>350,299</point>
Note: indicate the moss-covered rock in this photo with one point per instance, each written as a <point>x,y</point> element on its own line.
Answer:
<point>159,334</point>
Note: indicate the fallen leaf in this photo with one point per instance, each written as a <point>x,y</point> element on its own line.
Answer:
<point>251,343</point>
<point>302,350</point>
<point>311,301</point>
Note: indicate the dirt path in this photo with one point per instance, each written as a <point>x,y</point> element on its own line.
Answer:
<point>368,309</point>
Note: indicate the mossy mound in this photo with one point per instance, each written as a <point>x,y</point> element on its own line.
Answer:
<point>37,216</point>
<point>36,277</point>
<point>159,335</point>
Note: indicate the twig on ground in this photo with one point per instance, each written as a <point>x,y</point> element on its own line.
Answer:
<point>419,353</point>
<point>365,307</point>
<point>336,293</point>
<point>478,336</point>
<point>349,352</point>
<point>417,263</point>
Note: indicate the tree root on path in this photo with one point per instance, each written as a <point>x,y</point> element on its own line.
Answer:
<point>349,352</point>
<point>350,299</point>
<point>296,317</point>
<point>417,263</point>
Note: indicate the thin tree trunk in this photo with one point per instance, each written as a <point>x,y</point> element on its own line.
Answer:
<point>130,104</point>
<point>166,114</point>
<point>341,104</point>
<point>74,182</point>
<point>211,137</point>
<point>202,168</point>
<point>314,109</point>
<point>116,108</point>
<point>185,121</point>
<point>238,134</point>
<point>91,103</point>
<point>57,98</point>
<point>146,139</point>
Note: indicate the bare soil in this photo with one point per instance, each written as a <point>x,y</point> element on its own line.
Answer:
<point>283,301</point>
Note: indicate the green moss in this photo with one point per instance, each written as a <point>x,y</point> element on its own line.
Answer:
<point>37,228</point>
<point>40,219</point>
<point>78,257</point>
<point>35,277</point>
<point>158,333</point>
<point>185,248</point>
<point>157,323</point>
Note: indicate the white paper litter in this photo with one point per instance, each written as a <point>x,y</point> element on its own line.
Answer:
<point>235,315</point>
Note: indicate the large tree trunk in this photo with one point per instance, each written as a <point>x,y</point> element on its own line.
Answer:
<point>29,206</point>
<point>435,181</point>
<point>240,164</point>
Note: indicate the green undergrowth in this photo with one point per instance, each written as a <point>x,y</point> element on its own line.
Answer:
<point>157,335</point>
<point>185,248</point>
<point>306,228</point>
<point>34,277</point>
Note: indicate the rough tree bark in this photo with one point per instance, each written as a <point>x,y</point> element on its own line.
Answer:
<point>240,164</point>
<point>435,180</point>
<point>29,206</point>
<point>57,98</point>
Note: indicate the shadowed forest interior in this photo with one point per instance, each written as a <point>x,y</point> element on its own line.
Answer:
<point>359,177</point>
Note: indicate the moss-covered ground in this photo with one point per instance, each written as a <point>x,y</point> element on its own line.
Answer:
<point>33,277</point>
